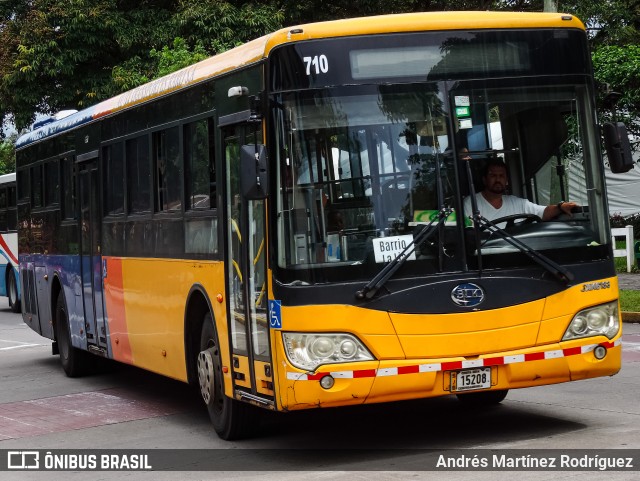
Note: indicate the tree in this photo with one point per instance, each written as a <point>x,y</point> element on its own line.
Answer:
<point>609,22</point>
<point>614,33</point>
<point>60,55</point>
<point>618,68</point>
<point>134,72</point>
<point>219,26</point>
<point>305,11</point>
<point>8,155</point>
<point>180,56</point>
<point>69,55</point>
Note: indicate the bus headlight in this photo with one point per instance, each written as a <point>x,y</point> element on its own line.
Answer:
<point>600,320</point>
<point>308,351</point>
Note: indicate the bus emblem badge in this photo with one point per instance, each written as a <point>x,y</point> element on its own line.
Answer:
<point>467,295</point>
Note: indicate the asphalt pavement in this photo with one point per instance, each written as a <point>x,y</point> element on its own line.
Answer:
<point>629,282</point>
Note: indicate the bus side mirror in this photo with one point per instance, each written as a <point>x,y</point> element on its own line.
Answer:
<point>253,172</point>
<point>616,142</point>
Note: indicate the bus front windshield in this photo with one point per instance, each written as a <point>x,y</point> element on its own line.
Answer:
<point>363,170</point>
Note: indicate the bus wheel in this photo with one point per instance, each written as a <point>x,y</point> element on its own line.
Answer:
<point>483,398</point>
<point>12,292</point>
<point>71,358</point>
<point>231,419</point>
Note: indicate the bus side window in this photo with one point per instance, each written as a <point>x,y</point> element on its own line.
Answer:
<point>12,219</point>
<point>167,161</point>
<point>199,165</point>
<point>138,175</point>
<point>68,189</point>
<point>52,183</point>
<point>113,178</point>
<point>36,186</point>
<point>3,210</point>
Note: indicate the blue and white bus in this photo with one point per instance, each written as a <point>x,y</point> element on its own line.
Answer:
<point>9,280</point>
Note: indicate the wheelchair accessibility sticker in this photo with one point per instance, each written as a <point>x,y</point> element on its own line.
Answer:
<point>275,316</point>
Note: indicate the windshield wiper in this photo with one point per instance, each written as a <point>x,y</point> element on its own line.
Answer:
<point>554,268</point>
<point>374,285</point>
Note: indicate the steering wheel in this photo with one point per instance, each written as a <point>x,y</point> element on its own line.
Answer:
<point>511,219</point>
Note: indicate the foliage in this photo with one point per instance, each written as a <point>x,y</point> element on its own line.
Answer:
<point>218,26</point>
<point>614,33</point>
<point>7,155</point>
<point>180,56</point>
<point>614,22</point>
<point>68,55</point>
<point>618,67</point>
<point>131,73</point>
<point>318,10</point>
<point>617,220</point>
<point>60,55</point>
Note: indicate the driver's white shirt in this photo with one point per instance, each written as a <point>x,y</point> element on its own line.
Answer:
<point>511,205</point>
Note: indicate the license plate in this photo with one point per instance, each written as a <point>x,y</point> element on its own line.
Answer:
<point>469,379</point>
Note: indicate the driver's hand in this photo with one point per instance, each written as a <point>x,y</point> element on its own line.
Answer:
<point>567,207</point>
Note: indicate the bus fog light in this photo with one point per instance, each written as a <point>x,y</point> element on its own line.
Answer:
<point>327,382</point>
<point>600,352</point>
<point>602,320</point>
<point>309,351</point>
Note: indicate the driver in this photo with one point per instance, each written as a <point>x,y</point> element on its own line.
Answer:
<point>494,204</point>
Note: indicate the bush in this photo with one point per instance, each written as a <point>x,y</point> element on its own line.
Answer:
<point>617,220</point>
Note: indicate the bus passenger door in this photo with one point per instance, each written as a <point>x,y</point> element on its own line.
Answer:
<point>246,275</point>
<point>91,257</point>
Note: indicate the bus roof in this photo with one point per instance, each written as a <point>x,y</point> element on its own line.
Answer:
<point>259,49</point>
<point>7,178</point>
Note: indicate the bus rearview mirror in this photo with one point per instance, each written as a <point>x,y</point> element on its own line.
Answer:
<point>616,142</point>
<point>253,172</point>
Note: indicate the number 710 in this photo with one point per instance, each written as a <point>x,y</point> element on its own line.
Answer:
<point>320,64</point>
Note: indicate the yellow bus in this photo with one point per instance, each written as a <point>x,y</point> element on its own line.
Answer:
<point>281,224</point>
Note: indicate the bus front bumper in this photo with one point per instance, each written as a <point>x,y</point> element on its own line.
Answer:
<point>395,380</point>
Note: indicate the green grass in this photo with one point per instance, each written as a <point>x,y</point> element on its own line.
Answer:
<point>621,265</point>
<point>630,301</point>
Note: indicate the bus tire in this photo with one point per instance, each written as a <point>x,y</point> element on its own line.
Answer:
<point>12,291</point>
<point>483,398</point>
<point>231,419</point>
<point>71,358</point>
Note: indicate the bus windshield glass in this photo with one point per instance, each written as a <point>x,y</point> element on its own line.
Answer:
<point>365,165</point>
<point>362,169</point>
